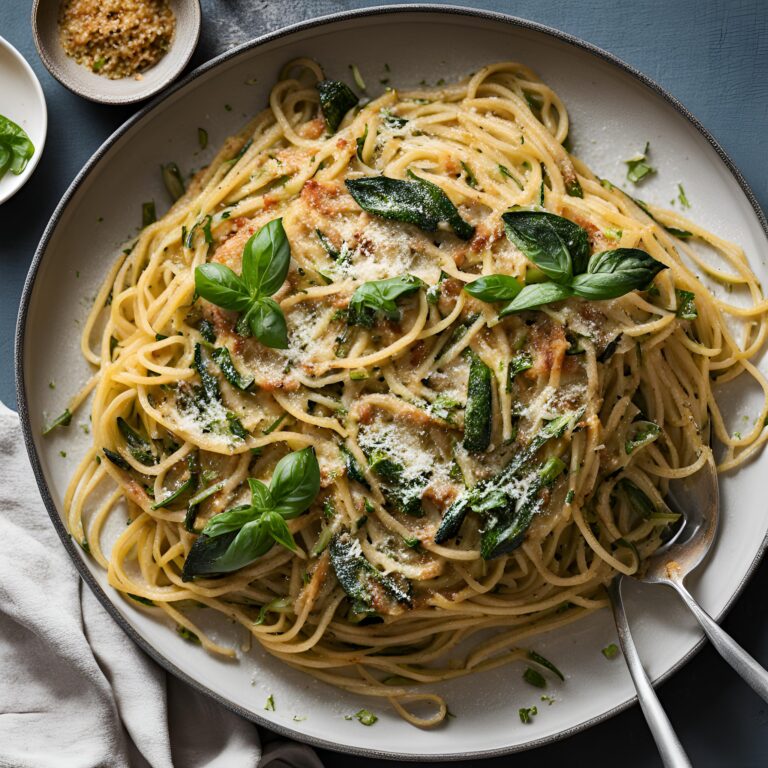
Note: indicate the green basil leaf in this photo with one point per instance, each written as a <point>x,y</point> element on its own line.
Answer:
<point>261,497</point>
<point>203,555</point>
<point>494,288</point>
<point>218,284</point>
<point>556,245</point>
<point>278,530</point>
<point>250,543</point>
<point>16,149</point>
<point>267,323</point>
<point>414,201</point>
<point>336,99</point>
<point>381,296</point>
<point>231,520</point>
<point>266,259</point>
<point>295,482</point>
<point>535,296</point>
<point>614,273</point>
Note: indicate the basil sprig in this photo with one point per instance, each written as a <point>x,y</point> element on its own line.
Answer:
<point>336,99</point>
<point>240,535</point>
<point>560,250</point>
<point>413,201</point>
<point>266,259</point>
<point>381,296</point>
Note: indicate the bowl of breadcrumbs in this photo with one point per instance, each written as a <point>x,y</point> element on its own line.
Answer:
<point>116,51</point>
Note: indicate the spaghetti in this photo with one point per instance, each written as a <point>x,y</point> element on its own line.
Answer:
<point>481,474</point>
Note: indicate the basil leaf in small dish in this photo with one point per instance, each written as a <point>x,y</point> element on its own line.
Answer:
<point>16,149</point>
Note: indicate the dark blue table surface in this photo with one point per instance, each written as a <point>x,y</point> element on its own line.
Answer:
<point>713,56</point>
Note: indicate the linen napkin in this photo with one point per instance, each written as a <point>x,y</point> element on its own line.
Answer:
<point>75,691</point>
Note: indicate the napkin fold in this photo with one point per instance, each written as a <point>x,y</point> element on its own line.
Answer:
<point>75,691</point>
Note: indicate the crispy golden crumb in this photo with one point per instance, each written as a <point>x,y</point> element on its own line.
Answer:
<point>116,38</point>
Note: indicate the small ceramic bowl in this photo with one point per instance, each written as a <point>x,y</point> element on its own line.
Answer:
<point>21,100</point>
<point>83,82</point>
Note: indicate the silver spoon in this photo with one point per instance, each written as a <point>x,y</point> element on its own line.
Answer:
<point>697,499</point>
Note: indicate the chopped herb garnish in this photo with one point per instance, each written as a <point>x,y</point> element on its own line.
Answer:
<point>539,659</point>
<point>610,651</point>
<point>470,177</point>
<point>173,181</point>
<point>357,77</point>
<point>526,713</point>
<point>202,138</point>
<point>686,305</point>
<point>274,425</point>
<point>682,197</point>
<point>364,716</point>
<point>270,705</point>
<point>637,168</point>
<point>63,420</point>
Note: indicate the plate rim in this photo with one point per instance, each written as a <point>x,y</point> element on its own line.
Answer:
<point>82,175</point>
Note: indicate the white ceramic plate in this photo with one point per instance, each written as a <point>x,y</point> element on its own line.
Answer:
<point>21,100</point>
<point>614,111</point>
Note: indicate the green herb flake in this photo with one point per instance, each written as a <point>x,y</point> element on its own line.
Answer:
<point>202,138</point>
<point>357,77</point>
<point>610,651</point>
<point>469,177</point>
<point>526,713</point>
<point>364,716</point>
<point>682,197</point>
<point>270,705</point>
<point>637,167</point>
<point>686,305</point>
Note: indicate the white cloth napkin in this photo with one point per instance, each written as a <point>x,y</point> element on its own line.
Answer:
<point>75,692</point>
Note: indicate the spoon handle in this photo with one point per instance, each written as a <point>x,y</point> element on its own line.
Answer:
<point>749,669</point>
<point>669,746</point>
